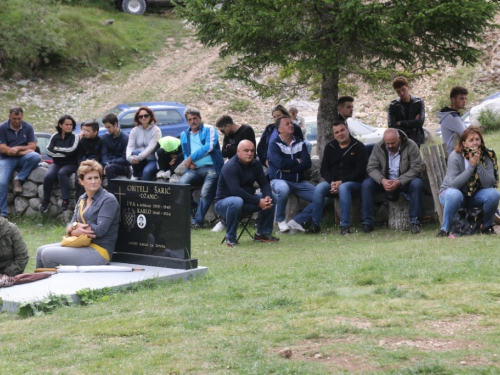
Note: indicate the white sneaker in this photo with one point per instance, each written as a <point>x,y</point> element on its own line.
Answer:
<point>219,227</point>
<point>283,226</point>
<point>294,225</point>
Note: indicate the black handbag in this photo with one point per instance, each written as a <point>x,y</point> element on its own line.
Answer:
<point>467,221</point>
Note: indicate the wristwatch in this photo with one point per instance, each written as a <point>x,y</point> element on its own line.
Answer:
<point>74,224</point>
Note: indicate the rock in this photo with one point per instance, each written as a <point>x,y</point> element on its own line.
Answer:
<point>30,189</point>
<point>20,205</point>
<point>34,203</point>
<point>286,353</point>
<point>31,212</point>
<point>108,22</point>
<point>44,164</point>
<point>40,191</point>
<point>56,192</point>
<point>174,178</point>
<point>318,356</point>
<point>53,211</point>
<point>37,175</point>
<point>23,82</point>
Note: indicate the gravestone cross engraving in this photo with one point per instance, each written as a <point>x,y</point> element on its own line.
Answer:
<point>155,224</point>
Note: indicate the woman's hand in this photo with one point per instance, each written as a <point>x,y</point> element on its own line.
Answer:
<point>83,229</point>
<point>474,159</point>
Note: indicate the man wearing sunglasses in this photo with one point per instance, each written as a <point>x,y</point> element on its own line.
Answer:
<point>203,161</point>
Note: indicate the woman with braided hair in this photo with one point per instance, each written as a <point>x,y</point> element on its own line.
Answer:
<point>471,180</point>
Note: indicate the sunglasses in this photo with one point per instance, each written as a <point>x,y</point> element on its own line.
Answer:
<point>143,116</point>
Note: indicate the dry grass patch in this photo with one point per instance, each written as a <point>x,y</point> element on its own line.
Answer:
<point>433,345</point>
<point>460,325</point>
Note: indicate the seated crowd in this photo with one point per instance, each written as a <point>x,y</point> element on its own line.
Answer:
<point>277,164</point>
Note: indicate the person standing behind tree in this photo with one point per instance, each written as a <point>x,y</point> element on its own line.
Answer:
<point>452,125</point>
<point>114,149</point>
<point>407,113</point>
<point>233,135</point>
<point>63,149</point>
<point>345,106</point>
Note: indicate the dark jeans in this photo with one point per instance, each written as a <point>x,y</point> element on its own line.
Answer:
<point>113,170</point>
<point>369,188</point>
<point>61,173</point>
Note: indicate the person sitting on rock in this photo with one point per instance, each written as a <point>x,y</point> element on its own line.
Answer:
<point>17,152</point>
<point>114,149</point>
<point>233,135</point>
<point>168,156</point>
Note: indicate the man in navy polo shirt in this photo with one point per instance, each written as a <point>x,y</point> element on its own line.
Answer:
<point>17,152</point>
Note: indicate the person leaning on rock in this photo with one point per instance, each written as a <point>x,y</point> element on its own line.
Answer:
<point>17,152</point>
<point>13,251</point>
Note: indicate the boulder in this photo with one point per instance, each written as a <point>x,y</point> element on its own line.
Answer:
<point>37,175</point>
<point>20,205</point>
<point>30,189</point>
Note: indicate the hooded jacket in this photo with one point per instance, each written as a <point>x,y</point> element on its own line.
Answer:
<point>13,251</point>
<point>410,165</point>
<point>452,127</point>
<point>344,164</point>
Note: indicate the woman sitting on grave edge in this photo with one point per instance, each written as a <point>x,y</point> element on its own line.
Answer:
<point>142,144</point>
<point>97,215</point>
<point>471,180</point>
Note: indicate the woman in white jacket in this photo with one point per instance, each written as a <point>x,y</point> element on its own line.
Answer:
<point>142,144</point>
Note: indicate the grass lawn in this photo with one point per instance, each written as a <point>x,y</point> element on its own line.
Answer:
<point>388,302</point>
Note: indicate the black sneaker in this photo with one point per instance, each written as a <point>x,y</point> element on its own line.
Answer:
<point>442,233</point>
<point>231,242</point>
<point>64,206</point>
<point>345,230</point>
<point>44,207</point>
<point>313,229</point>
<point>415,228</point>
<point>488,230</point>
<point>264,238</point>
<point>367,228</point>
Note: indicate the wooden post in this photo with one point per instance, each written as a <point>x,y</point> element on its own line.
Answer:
<point>399,218</point>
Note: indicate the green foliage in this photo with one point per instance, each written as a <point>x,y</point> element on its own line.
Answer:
<point>239,105</point>
<point>46,305</point>
<point>489,120</point>
<point>90,296</point>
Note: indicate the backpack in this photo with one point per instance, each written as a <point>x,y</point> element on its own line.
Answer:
<point>467,221</point>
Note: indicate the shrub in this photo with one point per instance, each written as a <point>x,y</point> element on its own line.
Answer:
<point>489,120</point>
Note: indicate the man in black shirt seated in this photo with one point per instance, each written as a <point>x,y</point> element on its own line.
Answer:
<point>236,194</point>
<point>233,135</point>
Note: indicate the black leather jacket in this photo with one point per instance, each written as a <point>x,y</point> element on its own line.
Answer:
<point>412,127</point>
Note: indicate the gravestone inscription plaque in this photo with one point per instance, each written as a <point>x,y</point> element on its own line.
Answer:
<point>155,224</point>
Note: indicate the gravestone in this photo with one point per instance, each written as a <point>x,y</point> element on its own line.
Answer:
<point>155,224</point>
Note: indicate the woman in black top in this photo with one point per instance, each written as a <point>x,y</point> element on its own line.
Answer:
<point>63,148</point>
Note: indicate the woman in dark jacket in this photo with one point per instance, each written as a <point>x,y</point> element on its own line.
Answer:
<point>63,148</point>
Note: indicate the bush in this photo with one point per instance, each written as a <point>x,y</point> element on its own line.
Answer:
<point>29,35</point>
<point>489,120</point>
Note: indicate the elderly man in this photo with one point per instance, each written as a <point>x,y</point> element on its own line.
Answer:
<point>344,168</point>
<point>17,152</point>
<point>236,194</point>
<point>233,134</point>
<point>203,161</point>
<point>394,165</point>
<point>407,112</point>
<point>288,160</point>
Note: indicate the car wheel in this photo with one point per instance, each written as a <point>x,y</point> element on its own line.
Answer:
<point>136,7</point>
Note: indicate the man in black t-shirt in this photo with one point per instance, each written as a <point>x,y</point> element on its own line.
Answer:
<point>233,134</point>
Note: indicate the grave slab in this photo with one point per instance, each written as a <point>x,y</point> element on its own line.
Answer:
<point>70,283</point>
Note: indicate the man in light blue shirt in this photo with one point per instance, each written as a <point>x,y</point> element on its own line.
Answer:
<point>203,161</point>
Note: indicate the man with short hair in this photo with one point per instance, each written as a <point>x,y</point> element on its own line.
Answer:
<point>114,149</point>
<point>17,152</point>
<point>236,194</point>
<point>451,123</point>
<point>394,165</point>
<point>233,135</point>
<point>203,161</point>
<point>407,113</point>
<point>288,160</point>
<point>344,168</point>
<point>345,106</point>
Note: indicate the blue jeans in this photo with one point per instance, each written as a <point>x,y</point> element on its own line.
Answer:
<point>24,164</point>
<point>61,173</point>
<point>452,199</point>
<point>282,189</point>
<point>231,208</point>
<point>369,188</point>
<point>207,176</point>
<point>146,169</point>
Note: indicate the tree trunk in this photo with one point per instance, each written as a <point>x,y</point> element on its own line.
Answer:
<point>327,111</point>
<point>398,214</point>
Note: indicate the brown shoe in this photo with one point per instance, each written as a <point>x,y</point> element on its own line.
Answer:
<point>18,187</point>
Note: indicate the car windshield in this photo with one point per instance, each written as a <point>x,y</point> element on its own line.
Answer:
<point>359,128</point>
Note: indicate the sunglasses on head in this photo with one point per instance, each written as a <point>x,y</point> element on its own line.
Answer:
<point>143,116</point>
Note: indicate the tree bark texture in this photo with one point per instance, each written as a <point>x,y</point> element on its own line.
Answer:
<point>398,214</point>
<point>327,110</point>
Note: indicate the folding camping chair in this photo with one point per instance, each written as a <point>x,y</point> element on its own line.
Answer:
<point>244,220</point>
